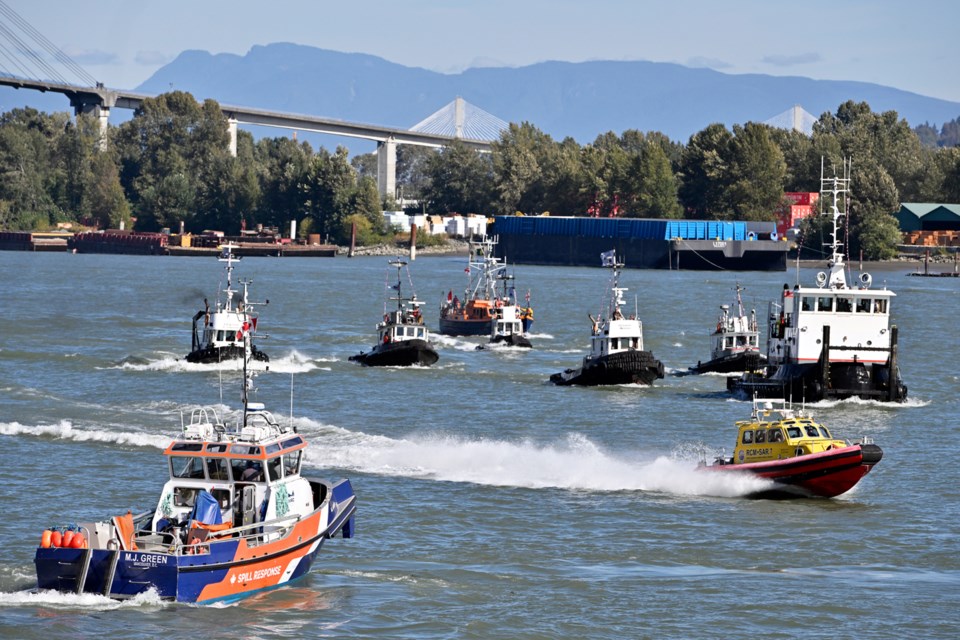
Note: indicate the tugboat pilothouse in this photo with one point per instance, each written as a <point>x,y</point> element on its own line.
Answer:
<point>402,337</point>
<point>616,353</point>
<point>736,342</point>
<point>510,321</point>
<point>831,341</point>
<point>218,334</point>
<point>236,516</point>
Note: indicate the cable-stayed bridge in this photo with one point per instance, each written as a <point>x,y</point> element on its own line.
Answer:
<point>28,60</point>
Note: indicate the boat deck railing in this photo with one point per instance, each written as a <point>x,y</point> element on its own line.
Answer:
<point>255,534</point>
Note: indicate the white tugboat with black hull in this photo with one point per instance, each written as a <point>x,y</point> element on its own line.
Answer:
<point>735,343</point>
<point>616,353</point>
<point>218,334</point>
<point>829,341</point>
<point>402,337</point>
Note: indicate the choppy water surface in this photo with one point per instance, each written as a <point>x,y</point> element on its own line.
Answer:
<point>491,504</point>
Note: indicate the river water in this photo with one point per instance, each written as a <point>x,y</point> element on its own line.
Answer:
<point>491,503</point>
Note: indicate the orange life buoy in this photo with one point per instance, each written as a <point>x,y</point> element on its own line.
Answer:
<point>66,539</point>
<point>55,539</point>
<point>45,538</point>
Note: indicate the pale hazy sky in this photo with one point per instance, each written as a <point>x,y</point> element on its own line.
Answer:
<point>911,45</point>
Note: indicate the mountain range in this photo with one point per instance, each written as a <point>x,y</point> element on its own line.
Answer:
<point>579,100</point>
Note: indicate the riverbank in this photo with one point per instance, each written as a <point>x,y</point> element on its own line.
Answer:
<point>451,247</point>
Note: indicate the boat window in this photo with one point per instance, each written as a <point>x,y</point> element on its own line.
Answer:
<point>753,341</point>
<point>812,431</point>
<point>863,305</point>
<point>217,469</point>
<point>222,496</point>
<point>824,303</point>
<point>824,432</point>
<point>291,463</point>
<point>420,332</point>
<point>221,335</point>
<point>236,467</point>
<point>273,468</point>
<point>879,305</point>
<point>760,436</point>
<point>614,343</point>
<point>292,442</point>
<point>184,496</point>
<point>774,435</point>
<point>794,432</point>
<point>273,448</point>
<point>636,342</point>
<point>728,342</point>
<point>747,437</point>
<point>217,448</point>
<point>245,450</point>
<point>187,467</point>
<point>806,303</point>
<point>741,341</point>
<point>186,446</point>
<point>844,305</point>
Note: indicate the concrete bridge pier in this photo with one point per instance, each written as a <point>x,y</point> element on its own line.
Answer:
<point>98,103</point>
<point>387,167</point>
<point>232,128</point>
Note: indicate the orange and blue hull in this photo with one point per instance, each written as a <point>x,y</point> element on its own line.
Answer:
<point>229,569</point>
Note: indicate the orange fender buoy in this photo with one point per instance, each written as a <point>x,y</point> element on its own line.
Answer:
<point>56,539</point>
<point>45,539</point>
<point>66,539</point>
<point>79,541</point>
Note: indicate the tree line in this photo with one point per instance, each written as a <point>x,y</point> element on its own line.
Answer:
<point>170,165</point>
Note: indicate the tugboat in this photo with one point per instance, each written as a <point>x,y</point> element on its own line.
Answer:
<point>511,322</point>
<point>831,341</point>
<point>616,345</point>
<point>797,454</point>
<point>475,314</point>
<point>235,517</point>
<point>218,334</point>
<point>402,338</point>
<point>736,342</point>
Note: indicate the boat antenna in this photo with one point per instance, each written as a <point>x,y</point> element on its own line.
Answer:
<point>291,401</point>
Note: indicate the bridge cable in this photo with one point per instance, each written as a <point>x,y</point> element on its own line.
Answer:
<point>29,52</point>
<point>48,46</point>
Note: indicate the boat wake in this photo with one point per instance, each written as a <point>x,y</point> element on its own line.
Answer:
<point>453,342</point>
<point>64,430</point>
<point>294,362</point>
<point>575,463</point>
<point>61,600</point>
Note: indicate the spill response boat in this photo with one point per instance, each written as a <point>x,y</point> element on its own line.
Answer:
<point>829,341</point>
<point>616,353</point>
<point>218,334</point>
<point>236,516</point>
<point>402,337</point>
<point>799,455</point>
<point>735,345</point>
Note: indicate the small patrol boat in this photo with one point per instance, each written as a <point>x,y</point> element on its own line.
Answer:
<point>735,343</point>
<point>402,337</point>
<point>476,314</point>
<point>799,455</point>
<point>236,516</point>
<point>832,340</point>
<point>616,353</point>
<point>218,333</point>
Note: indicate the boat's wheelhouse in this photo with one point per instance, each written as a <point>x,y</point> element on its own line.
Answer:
<point>398,332</point>
<point>777,434</point>
<point>222,329</point>
<point>859,321</point>
<point>616,336</point>
<point>508,321</point>
<point>251,470</point>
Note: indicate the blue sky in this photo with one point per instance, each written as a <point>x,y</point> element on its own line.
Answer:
<point>907,45</point>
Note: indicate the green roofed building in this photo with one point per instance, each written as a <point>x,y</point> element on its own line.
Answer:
<point>928,216</point>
